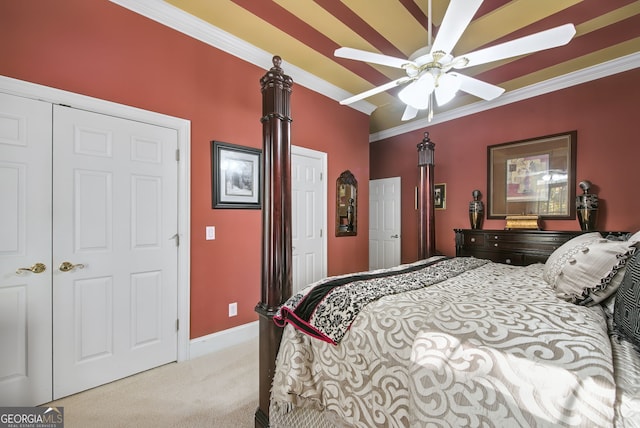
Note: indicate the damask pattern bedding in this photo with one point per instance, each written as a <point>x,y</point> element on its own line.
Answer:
<point>492,346</point>
<point>326,309</point>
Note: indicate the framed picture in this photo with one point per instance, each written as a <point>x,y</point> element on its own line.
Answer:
<point>236,179</point>
<point>533,177</point>
<point>440,196</point>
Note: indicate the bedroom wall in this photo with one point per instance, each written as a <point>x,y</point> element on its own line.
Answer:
<point>604,114</point>
<point>102,50</point>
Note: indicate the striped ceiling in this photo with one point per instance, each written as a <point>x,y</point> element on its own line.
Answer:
<point>305,34</point>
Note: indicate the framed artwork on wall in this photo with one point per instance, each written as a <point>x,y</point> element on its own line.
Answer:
<point>236,176</point>
<point>533,177</point>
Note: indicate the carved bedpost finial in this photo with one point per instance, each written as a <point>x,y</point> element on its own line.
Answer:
<point>426,151</point>
<point>277,62</point>
<point>276,90</point>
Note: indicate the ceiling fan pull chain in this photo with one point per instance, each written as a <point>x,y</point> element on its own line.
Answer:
<point>430,114</point>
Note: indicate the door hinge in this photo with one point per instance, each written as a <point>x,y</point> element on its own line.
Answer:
<point>320,176</point>
<point>178,324</point>
<point>321,233</point>
<point>177,155</point>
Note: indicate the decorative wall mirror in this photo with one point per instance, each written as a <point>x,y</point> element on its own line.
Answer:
<point>346,205</point>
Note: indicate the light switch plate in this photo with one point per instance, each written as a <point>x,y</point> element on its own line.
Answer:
<point>233,309</point>
<point>211,233</point>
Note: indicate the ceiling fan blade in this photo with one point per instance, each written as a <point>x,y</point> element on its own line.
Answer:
<point>360,55</point>
<point>547,39</point>
<point>375,90</point>
<point>409,113</point>
<point>455,21</point>
<point>476,87</point>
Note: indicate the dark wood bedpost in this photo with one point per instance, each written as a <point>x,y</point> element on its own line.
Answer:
<point>426,208</point>
<point>276,224</point>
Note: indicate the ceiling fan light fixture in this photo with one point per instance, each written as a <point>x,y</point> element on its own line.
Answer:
<point>414,98</point>
<point>446,88</point>
<point>417,93</point>
<point>429,70</point>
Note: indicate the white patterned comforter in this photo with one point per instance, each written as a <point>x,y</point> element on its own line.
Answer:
<point>490,347</point>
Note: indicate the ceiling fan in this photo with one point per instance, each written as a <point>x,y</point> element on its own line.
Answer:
<point>430,69</point>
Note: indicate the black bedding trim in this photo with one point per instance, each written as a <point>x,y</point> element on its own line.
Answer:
<point>310,302</point>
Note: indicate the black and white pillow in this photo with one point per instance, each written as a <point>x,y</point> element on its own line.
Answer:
<point>589,268</point>
<point>626,312</point>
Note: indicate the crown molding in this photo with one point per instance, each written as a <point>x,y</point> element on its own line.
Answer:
<point>588,74</point>
<point>179,20</point>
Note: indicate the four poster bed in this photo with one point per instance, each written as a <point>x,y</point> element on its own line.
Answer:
<point>444,341</point>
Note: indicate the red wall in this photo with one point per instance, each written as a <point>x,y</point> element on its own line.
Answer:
<point>100,49</point>
<point>604,114</point>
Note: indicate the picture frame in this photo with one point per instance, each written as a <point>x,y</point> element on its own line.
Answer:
<point>535,176</point>
<point>236,179</point>
<point>440,196</point>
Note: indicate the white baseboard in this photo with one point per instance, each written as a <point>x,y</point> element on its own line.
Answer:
<point>223,339</point>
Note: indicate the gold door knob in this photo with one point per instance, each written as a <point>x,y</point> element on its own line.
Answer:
<point>37,268</point>
<point>67,266</point>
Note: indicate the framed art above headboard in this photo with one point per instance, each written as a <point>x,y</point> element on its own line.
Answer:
<point>536,176</point>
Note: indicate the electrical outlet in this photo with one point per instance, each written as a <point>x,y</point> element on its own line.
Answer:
<point>233,309</point>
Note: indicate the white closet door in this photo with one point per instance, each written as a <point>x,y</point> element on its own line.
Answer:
<point>115,217</point>
<point>384,223</point>
<point>25,240</point>
<point>308,220</point>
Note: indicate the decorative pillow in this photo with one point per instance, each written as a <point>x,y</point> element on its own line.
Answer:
<point>635,237</point>
<point>559,257</point>
<point>601,296</point>
<point>590,275</point>
<point>626,312</point>
<point>610,302</point>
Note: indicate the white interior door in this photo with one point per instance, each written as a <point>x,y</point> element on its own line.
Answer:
<point>101,193</point>
<point>25,240</point>
<point>384,223</point>
<point>309,220</point>
<point>115,220</point>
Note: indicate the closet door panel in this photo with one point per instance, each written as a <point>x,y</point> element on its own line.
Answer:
<point>115,219</point>
<point>25,251</point>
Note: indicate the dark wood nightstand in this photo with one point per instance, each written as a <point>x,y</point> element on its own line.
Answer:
<point>516,247</point>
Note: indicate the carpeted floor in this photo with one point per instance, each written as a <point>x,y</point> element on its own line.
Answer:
<point>215,390</point>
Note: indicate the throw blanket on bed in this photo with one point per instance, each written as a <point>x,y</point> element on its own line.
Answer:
<point>326,309</point>
<point>491,347</point>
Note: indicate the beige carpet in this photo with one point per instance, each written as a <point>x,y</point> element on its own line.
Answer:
<point>216,390</point>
